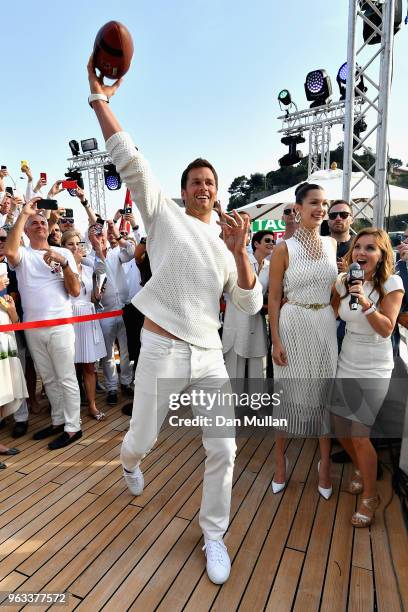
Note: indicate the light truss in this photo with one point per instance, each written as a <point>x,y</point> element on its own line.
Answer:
<point>92,164</point>
<point>374,63</point>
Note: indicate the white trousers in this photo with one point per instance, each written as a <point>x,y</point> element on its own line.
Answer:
<point>235,365</point>
<point>172,366</point>
<point>52,350</point>
<point>21,415</point>
<point>113,328</point>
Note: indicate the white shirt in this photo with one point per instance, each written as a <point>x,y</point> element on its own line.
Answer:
<point>116,293</point>
<point>356,320</point>
<point>191,266</point>
<point>42,289</point>
<point>132,275</point>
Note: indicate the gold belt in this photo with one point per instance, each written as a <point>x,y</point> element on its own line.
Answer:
<point>309,306</point>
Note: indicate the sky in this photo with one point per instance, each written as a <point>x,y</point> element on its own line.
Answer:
<point>203,82</point>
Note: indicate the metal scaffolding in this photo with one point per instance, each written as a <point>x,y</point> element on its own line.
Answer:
<point>374,63</point>
<point>318,122</point>
<point>92,164</point>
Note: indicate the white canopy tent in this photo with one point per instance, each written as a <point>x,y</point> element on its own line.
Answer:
<point>272,206</point>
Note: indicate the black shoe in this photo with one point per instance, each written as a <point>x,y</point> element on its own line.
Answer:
<point>19,429</point>
<point>10,452</point>
<point>128,390</point>
<point>127,409</point>
<point>64,440</point>
<point>47,432</point>
<point>2,466</point>
<point>341,457</point>
<point>112,398</point>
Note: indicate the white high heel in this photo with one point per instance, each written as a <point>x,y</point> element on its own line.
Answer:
<point>277,487</point>
<point>326,493</point>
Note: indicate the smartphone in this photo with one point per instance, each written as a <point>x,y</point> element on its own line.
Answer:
<point>69,184</point>
<point>68,214</point>
<point>99,227</point>
<point>10,191</point>
<point>24,162</point>
<point>43,177</point>
<point>47,204</point>
<point>128,210</point>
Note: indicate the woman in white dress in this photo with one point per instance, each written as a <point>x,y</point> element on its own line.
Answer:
<point>13,388</point>
<point>366,358</point>
<point>303,270</point>
<point>89,343</point>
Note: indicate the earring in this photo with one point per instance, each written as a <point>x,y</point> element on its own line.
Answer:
<point>298,217</point>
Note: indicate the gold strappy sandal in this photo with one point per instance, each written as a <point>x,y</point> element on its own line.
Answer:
<point>359,519</point>
<point>355,486</point>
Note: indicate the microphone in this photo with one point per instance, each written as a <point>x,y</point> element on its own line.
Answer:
<point>354,273</point>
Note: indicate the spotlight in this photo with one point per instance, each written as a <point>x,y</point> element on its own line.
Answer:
<point>74,175</point>
<point>318,88</point>
<point>74,146</point>
<point>294,156</point>
<point>112,178</point>
<point>342,80</point>
<point>284,97</point>
<point>359,127</point>
<point>88,145</point>
<point>376,20</point>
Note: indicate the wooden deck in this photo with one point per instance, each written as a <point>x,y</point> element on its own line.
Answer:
<point>68,523</point>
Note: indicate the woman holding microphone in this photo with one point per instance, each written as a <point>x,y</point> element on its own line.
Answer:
<point>366,357</point>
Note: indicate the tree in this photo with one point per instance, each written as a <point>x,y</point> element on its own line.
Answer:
<point>239,192</point>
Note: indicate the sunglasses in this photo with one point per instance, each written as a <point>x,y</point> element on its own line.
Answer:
<point>66,220</point>
<point>343,215</point>
<point>289,211</point>
<point>269,240</point>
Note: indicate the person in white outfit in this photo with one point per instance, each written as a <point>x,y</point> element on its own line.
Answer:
<point>46,279</point>
<point>89,342</point>
<point>115,296</point>
<point>191,267</point>
<point>244,337</point>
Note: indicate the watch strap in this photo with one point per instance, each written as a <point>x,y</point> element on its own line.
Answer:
<point>97,96</point>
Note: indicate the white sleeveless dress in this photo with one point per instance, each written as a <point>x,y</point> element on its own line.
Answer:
<point>309,337</point>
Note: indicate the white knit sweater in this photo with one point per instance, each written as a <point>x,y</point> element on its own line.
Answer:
<point>191,266</point>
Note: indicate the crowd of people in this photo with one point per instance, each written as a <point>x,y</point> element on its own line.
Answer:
<point>321,325</point>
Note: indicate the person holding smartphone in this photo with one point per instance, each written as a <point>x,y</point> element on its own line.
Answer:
<point>46,279</point>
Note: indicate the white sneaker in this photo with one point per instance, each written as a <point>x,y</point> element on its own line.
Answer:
<point>218,561</point>
<point>134,481</point>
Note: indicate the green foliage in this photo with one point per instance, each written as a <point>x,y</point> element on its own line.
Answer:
<point>244,191</point>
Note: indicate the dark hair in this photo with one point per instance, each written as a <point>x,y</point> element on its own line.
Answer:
<point>340,202</point>
<point>257,237</point>
<point>198,163</point>
<point>303,190</point>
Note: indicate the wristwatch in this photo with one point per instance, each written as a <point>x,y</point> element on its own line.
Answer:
<point>97,96</point>
<point>85,203</point>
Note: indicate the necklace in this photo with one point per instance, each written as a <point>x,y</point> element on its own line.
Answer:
<point>310,241</point>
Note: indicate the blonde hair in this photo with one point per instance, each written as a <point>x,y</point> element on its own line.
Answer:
<point>68,235</point>
<point>385,267</point>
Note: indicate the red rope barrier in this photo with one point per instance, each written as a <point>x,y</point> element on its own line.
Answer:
<point>63,321</point>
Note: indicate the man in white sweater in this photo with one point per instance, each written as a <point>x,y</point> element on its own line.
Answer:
<point>191,267</point>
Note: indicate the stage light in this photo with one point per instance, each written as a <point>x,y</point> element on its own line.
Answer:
<point>376,20</point>
<point>318,88</point>
<point>342,81</point>
<point>112,178</point>
<point>74,146</point>
<point>74,175</point>
<point>359,127</point>
<point>294,156</point>
<point>284,97</point>
<point>88,145</point>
